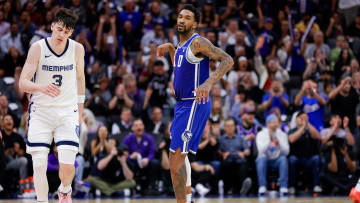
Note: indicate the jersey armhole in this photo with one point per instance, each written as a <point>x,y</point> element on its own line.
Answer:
<point>190,56</point>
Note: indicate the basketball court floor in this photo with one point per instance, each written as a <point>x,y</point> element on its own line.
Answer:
<point>204,200</point>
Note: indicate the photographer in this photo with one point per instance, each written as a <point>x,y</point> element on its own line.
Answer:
<point>335,130</point>
<point>111,173</point>
<point>338,175</point>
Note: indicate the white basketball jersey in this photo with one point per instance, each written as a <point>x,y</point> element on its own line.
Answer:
<point>59,70</point>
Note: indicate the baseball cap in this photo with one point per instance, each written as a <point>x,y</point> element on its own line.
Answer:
<point>271,117</point>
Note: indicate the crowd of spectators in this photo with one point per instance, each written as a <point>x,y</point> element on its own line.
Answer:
<point>288,110</point>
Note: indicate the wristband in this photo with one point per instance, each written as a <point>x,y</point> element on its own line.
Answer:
<point>81,99</point>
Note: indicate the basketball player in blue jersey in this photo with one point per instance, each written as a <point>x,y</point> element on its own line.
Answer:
<point>54,76</point>
<point>192,84</point>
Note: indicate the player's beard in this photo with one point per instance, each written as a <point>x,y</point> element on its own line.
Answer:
<point>184,31</point>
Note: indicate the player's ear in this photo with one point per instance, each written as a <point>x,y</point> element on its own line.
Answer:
<point>195,25</point>
<point>52,26</point>
<point>71,32</point>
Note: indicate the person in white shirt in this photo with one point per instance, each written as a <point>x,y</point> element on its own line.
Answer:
<point>273,147</point>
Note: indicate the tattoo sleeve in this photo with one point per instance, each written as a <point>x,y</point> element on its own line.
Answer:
<point>203,46</point>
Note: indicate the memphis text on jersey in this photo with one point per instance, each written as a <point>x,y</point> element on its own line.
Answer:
<point>58,68</point>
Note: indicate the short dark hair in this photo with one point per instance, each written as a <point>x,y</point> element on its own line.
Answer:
<point>67,17</point>
<point>158,63</point>
<point>192,8</point>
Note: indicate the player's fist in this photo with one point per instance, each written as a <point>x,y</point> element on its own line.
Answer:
<point>162,49</point>
<point>50,90</point>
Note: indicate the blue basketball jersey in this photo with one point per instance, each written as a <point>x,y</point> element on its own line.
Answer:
<point>188,75</point>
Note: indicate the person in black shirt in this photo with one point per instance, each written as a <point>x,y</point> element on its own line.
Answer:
<point>339,168</point>
<point>155,126</point>
<point>163,154</point>
<point>354,29</point>
<point>2,162</point>
<point>156,94</point>
<point>207,159</point>
<point>111,173</point>
<point>14,147</point>
<point>343,101</point>
<point>304,142</point>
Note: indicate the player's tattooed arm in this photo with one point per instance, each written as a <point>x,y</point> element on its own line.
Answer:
<point>202,46</point>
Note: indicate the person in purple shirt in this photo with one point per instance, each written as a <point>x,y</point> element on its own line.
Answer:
<point>141,156</point>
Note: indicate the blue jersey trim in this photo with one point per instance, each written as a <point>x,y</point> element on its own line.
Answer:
<point>52,51</point>
<point>37,144</point>
<point>71,143</point>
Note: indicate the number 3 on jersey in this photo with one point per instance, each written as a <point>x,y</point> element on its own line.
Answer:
<point>179,61</point>
<point>58,80</point>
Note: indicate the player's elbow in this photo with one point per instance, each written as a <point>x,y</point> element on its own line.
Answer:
<point>21,85</point>
<point>229,61</point>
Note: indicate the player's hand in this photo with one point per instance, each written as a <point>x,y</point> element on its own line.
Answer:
<point>50,90</point>
<point>202,93</point>
<point>162,49</point>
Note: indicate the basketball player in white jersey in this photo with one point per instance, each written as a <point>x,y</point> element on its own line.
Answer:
<point>54,76</point>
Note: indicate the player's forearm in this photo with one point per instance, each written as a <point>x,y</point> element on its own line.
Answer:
<point>28,86</point>
<point>172,52</point>
<point>224,66</point>
<point>81,96</point>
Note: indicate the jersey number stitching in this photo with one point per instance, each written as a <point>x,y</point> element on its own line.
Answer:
<point>58,80</point>
<point>180,60</point>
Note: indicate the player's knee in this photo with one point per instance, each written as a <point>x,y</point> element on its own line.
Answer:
<point>39,160</point>
<point>66,157</point>
<point>175,168</point>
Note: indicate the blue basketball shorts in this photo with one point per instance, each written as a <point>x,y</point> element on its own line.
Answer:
<point>188,125</point>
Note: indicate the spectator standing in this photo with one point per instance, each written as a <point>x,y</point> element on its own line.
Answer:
<point>312,103</point>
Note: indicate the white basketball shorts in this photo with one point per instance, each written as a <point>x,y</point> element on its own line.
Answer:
<point>46,123</point>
